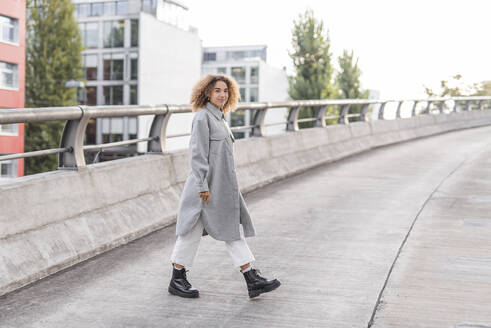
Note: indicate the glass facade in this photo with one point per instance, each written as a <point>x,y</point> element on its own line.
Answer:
<point>239,74</point>
<point>254,75</point>
<point>134,69</point>
<point>149,6</point>
<point>9,29</point>
<point>90,67</point>
<point>9,129</point>
<point>91,96</point>
<point>118,129</point>
<point>9,75</point>
<point>253,94</point>
<point>8,169</point>
<point>113,67</point>
<point>90,34</point>
<point>209,56</point>
<point>134,32</point>
<point>114,34</point>
<point>133,95</point>
<point>113,95</point>
<point>103,8</point>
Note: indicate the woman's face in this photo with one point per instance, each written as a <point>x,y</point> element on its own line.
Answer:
<point>219,94</point>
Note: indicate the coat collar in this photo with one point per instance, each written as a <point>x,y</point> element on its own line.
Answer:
<point>215,111</point>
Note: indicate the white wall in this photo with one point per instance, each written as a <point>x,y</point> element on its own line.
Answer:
<point>273,86</point>
<point>169,64</point>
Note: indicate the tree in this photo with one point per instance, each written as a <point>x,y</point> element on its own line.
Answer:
<point>53,57</point>
<point>312,61</point>
<point>348,80</point>
<point>453,87</point>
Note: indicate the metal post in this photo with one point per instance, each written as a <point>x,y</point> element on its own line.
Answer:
<point>455,106</point>
<point>440,107</point>
<point>398,111</point>
<point>343,119</point>
<point>320,115</point>
<point>363,112</point>
<point>428,108</point>
<point>73,139</point>
<point>381,111</point>
<point>292,122</point>
<point>258,122</point>
<point>413,111</point>
<point>158,131</point>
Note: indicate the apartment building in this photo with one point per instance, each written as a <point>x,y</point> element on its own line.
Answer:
<point>137,52</point>
<point>12,76</point>
<point>258,80</point>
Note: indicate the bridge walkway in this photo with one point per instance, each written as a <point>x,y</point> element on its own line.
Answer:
<point>395,237</point>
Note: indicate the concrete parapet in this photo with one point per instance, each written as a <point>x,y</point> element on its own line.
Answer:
<point>53,220</point>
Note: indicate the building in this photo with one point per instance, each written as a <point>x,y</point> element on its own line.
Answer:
<point>12,72</point>
<point>258,81</point>
<point>138,52</point>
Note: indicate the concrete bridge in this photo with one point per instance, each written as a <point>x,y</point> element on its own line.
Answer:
<point>380,224</point>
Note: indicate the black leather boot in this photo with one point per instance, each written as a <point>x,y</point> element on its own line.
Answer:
<point>257,285</point>
<point>180,286</point>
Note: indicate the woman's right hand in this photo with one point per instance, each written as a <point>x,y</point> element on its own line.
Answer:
<point>205,195</point>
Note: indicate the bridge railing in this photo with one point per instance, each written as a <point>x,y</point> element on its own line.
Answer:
<point>71,150</point>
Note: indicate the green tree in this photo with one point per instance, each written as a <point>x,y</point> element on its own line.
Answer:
<point>312,61</point>
<point>348,80</point>
<point>53,57</point>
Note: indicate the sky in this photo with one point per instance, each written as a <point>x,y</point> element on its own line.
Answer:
<point>401,45</point>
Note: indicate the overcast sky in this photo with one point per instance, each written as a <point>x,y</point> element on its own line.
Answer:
<point>401,45</point>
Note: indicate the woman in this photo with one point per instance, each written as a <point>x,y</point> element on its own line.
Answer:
<point>211,202</point>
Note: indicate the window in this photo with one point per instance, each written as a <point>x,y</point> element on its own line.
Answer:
<point>254,77</point>
<point>110,8</point>
<point>242,94</point>
<point>9,129</point>
<point>134,69</point>
<point>113,67</point>
<point>83,10</point>
<point>114,34</point>
<point>133,95</point>
<point>97,9</point>
<point>90,67</point>
<point>122,7</point>
<point>9,77</point>
<point>253,95</point>
<point>90,132</point>
<point>9,29</point>
<point>210,56</point>
<point>90,34</point>
<point>91,96</point>
<point>134,33</point>
<point>132,127</point>
<point>113,95</point>
<point>222,70</point>
<point>236,55</point>
<point>112,129</point>
<point>149,6</point>
<point>8,169</point>
<point>239,74</point>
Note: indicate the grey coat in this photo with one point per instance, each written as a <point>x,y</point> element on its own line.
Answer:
<point>213,170</point>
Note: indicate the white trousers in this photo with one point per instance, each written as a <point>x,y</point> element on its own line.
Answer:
<point>187,245</point>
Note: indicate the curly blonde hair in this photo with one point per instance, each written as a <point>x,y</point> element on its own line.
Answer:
<point>202,91</point>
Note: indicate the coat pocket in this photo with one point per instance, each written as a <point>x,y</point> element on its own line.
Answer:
<point>217,143</point>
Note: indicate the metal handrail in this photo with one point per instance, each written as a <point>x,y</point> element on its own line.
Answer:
<point>71,151</point>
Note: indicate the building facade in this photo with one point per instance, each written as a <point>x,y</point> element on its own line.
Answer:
<point>137,52</point>
<point>258,81</point>
<point>12,76</point>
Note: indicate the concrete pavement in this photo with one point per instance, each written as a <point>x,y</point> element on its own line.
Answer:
<point>417,210</point>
